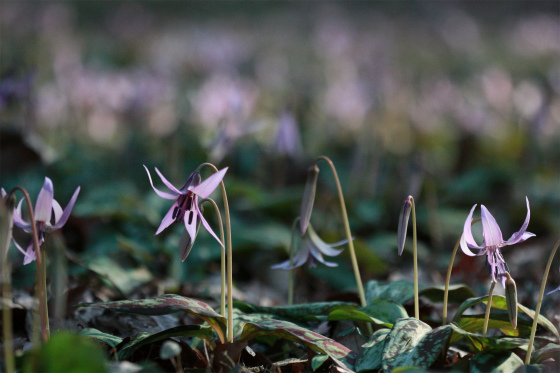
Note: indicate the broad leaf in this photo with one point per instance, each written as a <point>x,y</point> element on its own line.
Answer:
<point>356,315</point>
<point>550,350</point>
<point>373,351</point>
<point>386,310</point>
<point>456,293</point>
<point>495,361</point>
<point>412,342</point>
<point>497,343</point>
<point>400,291</point>
<point>307,311</point>
<point>287,330</point>
<point>109,339</point>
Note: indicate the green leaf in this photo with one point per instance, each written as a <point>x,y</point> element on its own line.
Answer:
<point>356,315</point>
<point>540,355</point>
<point>317,361</point>
<point>480,343</point>
<point>166,304</point>
<point>143,339</point>
<point>456,293</point>
<point>412,342</point>
<point>386,310</point>
<point>307,311</point>
<point>495,361</point>
<point>400,291</point>
<point>287,330</point>
<point>109,339</point>
<point>66,352</point>
<point>373,351</point>
<point>499,302</point>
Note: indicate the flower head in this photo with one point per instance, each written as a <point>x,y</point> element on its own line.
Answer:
<point>43,213</point>
<point>493,241</point>
<point>186,206</point>
<point>312,248</point>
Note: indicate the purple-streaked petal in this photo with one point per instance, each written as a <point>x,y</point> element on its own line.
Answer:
<point>490,229</point>
<point>205,188</point>
<point>522,234</point>
<point>18,221</point>
<point>206,225</point>
<point>467,233</point>
<point>466,248</point>
<point>43,206</point>
<point>66,213</point>
<point>167,219</point>
<point>167,183</point>
<point>159,192</point>
<point>323,247</point>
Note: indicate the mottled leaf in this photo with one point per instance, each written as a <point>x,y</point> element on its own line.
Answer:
<point>412,342</point>
<point>127,349</point>
<point>495,361</point>
<point>287,330</point>
<point>497,343</point>
<point>373,351</point>
<point>456,293</point>
<point>400,291</point>
<point>109,339</point>
<point>550,350</point>
<point>386,310</point>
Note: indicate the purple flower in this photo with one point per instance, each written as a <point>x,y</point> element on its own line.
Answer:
<point>186,201</point>
<point>312,248</point>
<point>555,290</point>
<point>493,241</point>
<point>44,208</point>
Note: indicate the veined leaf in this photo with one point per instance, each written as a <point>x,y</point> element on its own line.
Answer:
<point>412,342</point>
<point>386,310</point>
<point>400,291</point>
<point>287,330</point>
<point>373,351</point>
<point>307,311</point>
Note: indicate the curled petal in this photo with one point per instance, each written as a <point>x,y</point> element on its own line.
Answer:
<point>18,221</point>
<point>57,209</point>
<point>467,234</point>
<point>522,234</point>
<point>167,183</point>
<point>322,246</point>
<point>59,222</point>
<point>490,228</point>
<point>29,255</point>
<point>317,255</point>
<point>165,195</point>
<point>43,206</point>
<point>298,260</point>
<point>553,291</point>
<point>205,188</point>
<point>466,248</point>
<point>167,219</point>
<point>206,225</point>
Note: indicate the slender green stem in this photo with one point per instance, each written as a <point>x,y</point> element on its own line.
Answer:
<point>361,292</point>
<point>488,308</point>
<point>539,303</point>
<point>223,262</point>
<point>7,327</point>
<point>415,260</point>
<point>448,278</point>
<point>292,270</point>
<point>41,275</point>
<point>229,257</point>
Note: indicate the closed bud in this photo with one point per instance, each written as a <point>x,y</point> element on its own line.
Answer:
<point>308,197</point>
<point>403,222</point>
<point>511,300</point>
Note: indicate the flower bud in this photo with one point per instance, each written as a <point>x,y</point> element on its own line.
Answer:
<point>308,197</point>
<point>403,222</point>
<point>511,300</point>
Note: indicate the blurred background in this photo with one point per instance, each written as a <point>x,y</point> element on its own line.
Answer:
<point>455,103</point>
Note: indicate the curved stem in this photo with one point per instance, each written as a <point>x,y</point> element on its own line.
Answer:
<point>488,308</point>
<point>448,278</point>
<point>292,270</point>
<point>229,256</point>
<point>347,231</point>
<point>415,260</point>
<point>41,275</point>
<point>223,259</point>
<point>539,303</point>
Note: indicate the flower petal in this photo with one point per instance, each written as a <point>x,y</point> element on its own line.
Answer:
<point>204,189</point>
<point>167,183</point>
<point>521,235</point>
<point>490,228</point>
<point>167,219</point>
<point>190,219</point>
<point>322,246</point>
<point>66,213</point>
<point>18,221</point>
<point>206,225</point>
<point>43,206</point>
<point>467,233</point>
<point>314,250</point>
<point>298,260</point>
<point>29,256</point>
<point>57,209</point>
<point>466,248</point>
<point>159,192</point>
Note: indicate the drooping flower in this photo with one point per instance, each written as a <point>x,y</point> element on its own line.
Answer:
<point>312,248</point>
<point>493,241</point>
<point>186,205</point>
<point>44,208</point>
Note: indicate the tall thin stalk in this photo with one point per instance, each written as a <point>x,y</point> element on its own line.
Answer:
<point>223,261</point>
<point>229,255</point>
<point>361,292</point>
<point>415,261</point>
<point>539,303</point>
<point>488,308</point>
<point>292,270</point>
<point>7,207</point>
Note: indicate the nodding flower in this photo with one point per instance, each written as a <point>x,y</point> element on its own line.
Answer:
<point>44,208</point>
<point>493,241</point>
<point>186,206</point>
